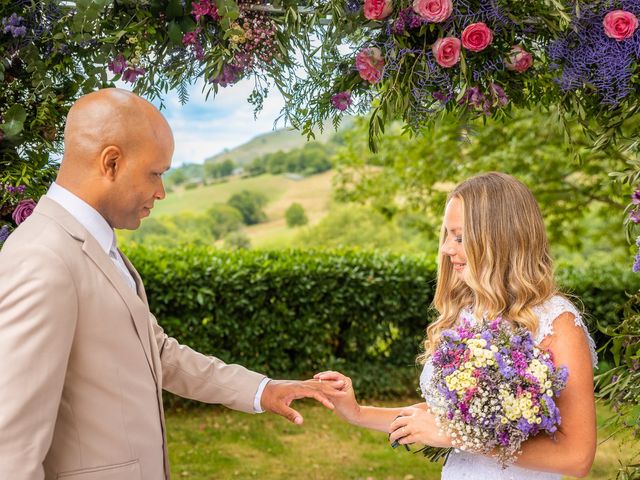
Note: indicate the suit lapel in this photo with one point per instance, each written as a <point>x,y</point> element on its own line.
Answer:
<point>137,306</point>
<point>139,310</point>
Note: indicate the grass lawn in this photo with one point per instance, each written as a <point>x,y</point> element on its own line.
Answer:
<point>215,443</point>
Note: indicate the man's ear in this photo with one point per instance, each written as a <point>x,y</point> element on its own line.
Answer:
<point>111,161</point>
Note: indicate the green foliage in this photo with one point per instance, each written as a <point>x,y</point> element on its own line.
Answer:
<point>249,204</point>
<point>312,158</point>
<point>620,385</point>
<point>414,175</point>
<point>219,170</point>
<point>237,241</point>
<point>295,215</point>
<point>224,219</point>
<point>187,228</point>
<point>292,313</point>
<point>349,226</point>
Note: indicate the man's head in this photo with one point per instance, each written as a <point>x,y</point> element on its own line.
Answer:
<point>116,147</point>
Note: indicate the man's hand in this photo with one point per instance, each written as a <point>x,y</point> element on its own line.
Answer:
<point>278,395</point>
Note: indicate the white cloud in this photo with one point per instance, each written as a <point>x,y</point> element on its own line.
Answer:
<point>204,128</point>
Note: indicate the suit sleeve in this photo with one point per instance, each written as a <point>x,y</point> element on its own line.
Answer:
<point>38,315</point>
<point>193,375</point>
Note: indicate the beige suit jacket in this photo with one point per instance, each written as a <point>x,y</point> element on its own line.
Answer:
<point>84,361</point>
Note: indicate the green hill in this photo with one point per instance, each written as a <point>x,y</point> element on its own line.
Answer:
<point>284,139</point>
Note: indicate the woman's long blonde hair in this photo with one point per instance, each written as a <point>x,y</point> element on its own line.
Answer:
<point>509,266</point>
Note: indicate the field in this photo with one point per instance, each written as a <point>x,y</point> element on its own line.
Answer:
<point>218,444</point>
<point>313,193</point>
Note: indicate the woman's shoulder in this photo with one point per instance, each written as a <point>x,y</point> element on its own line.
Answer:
<point>555,306</point>
<point>551,309</point>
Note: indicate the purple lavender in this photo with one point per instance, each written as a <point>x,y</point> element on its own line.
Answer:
<point>636,264</point>
<point>634,216</point>
<point>353,6</point>
<point>586,56</point>
<point>4,233</point>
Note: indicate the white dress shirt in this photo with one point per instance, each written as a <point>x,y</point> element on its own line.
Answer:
<point>98,227</point>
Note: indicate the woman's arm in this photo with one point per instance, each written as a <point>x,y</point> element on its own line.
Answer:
<point>573,450</point>
<point>347,408</point>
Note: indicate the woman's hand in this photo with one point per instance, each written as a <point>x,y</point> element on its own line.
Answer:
<point>346,406</point>
<point>417,425</point>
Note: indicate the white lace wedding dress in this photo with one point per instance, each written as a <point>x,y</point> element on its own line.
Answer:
<point>463,465</point>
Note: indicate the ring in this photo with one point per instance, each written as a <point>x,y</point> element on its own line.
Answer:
<point>320,380</point>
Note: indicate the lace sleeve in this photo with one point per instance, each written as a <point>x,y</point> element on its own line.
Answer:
<point>552,309</point>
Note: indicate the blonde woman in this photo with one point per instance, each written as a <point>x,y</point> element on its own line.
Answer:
<point>494,260</point>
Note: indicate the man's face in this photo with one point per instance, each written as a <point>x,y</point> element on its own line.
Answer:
<point>139,183</point>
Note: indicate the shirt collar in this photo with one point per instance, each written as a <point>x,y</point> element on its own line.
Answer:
<point>86,215</point>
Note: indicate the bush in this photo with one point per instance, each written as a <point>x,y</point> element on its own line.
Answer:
<point>249,204</point>
<point>293,313</point>
<point>295,216</point>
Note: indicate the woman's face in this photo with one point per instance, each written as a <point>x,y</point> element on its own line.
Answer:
<point>452,247</point>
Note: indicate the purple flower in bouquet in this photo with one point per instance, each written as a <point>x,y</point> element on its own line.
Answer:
<point>341,100</point>
<point>23,210</point>
<point>635,197</point>
<point>492,388</point>
<point>634,216</point>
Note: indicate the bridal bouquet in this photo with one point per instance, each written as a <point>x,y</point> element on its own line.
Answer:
<point>492,389</point>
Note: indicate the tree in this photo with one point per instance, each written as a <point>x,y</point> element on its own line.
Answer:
<point>415,174</point>
<point>219,169</point>
<point>223,219</point>
<point>249,204</point>
<point>295,215</point>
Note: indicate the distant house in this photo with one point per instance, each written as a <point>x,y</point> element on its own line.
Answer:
<point>294,176</point>
<point>238,171</point>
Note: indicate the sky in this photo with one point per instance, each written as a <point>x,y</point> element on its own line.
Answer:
<point>202,128</point>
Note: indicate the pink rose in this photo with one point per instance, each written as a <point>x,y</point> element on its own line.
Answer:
<point>519,60</point>
<point>23,210</point>
<point>434,11</point>
<point>447,51</point>
<point>369,63</point>
<point>476,37</point>
<point>620,24</point>
<point>377,9</point>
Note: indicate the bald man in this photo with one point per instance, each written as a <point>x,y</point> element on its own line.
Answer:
<point>83,360</point>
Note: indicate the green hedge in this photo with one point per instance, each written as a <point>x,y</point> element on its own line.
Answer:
<point>293,313</point>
